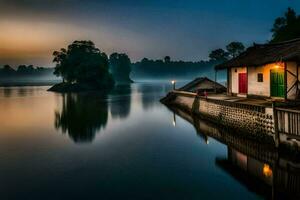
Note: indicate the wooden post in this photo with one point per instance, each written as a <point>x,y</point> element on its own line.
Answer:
<point>297,77</point>
<point>227,81</point>
<point>285,81</point>
<point>275,120</point>
<point>215,81</point>
<point>247,80</point>
<point>196,105</point>
<point>297,90</point>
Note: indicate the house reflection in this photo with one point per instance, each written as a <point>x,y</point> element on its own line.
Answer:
<point>262,168</point>
<point>81,116</point>
<point>279,179</point>
<point>257,176</point>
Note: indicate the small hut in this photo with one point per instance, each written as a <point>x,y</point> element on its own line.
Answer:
<point>202,84</point>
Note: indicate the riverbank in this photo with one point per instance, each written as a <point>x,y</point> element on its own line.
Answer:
<point>28,83</point>
<point>252,162</point>
<point>79,87</point>
<point>254,118</point>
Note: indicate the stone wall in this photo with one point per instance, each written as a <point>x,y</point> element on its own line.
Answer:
<point>180,99</point>
<point>245,118</point>
<point>249,120</point>
<point>235,115</point>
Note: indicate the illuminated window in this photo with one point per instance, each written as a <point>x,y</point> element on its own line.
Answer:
<point>260,77</point>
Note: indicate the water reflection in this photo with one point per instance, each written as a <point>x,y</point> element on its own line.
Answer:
<point>276,178</point>
<point>263,169</point>
<point>151,93</point>
<point>7,91</point>
<point>82,116</point>
<point>22,91</point>
<point>120,102</point>
<point>137,149</point>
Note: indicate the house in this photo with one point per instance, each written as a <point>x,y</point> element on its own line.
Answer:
<point>202,84</point>
<point>268,70</point>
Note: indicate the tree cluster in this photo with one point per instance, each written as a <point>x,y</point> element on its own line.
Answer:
<point>83,63</point>
<point>120,67</point>
<point>286,27</point>
<point>24,71</point>
<point>167,68</point>
<point>233,49</point>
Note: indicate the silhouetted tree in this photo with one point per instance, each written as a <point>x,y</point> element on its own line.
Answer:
<point>7,71</point>
<point>120,66</point>
<point>82,62</point>
<point>235,48</point>
<point>22,68</point>
<point>286,27</point>
<point>219,55</point>
<point>167,59</point>
<point>24,71</point>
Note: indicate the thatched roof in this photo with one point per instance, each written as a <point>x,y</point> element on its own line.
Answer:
<point>265,54</point>
<point>202,83</point>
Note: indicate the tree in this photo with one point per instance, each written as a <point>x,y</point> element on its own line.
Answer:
<point>83,63</point>
<point>286,27</point>
<point>235,48</point>
<point>23,69</point>
<point>218,55</point>
<point>120,67</point>
<point>8,70</point>
<point>167,59</point>
<point>59,58</point>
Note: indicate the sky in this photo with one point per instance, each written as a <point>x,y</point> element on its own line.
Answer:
<point>30,30</point>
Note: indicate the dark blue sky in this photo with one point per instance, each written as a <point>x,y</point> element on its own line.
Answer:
<point>186,30</point>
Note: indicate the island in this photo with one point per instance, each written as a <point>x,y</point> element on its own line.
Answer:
<point>83,67</point>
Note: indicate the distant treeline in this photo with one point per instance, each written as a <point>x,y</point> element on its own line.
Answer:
<point>166,69</point>
<point>25,71</point>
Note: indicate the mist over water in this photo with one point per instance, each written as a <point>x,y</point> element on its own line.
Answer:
<point>124,144</point>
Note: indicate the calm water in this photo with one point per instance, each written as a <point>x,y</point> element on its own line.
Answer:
<point>125,145</point>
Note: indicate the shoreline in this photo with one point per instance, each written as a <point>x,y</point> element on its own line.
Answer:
<point>25,83</point>
<point>248,119</point>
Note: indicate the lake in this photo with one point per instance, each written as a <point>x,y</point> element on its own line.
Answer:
<point>124,145</point>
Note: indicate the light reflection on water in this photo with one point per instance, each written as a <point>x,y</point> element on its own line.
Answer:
<point>120,145</point>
